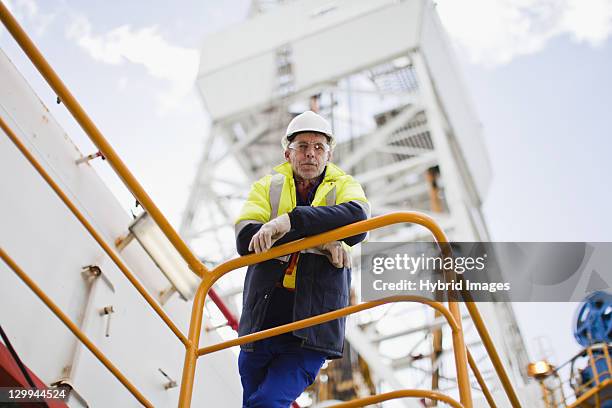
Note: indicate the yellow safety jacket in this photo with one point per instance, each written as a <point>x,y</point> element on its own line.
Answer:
<point>321,287</point>
<point>275,194</point>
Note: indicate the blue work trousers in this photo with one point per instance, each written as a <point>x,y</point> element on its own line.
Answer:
<point>277,372</point>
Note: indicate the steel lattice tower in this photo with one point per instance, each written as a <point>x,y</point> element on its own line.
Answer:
<point>383,73</point>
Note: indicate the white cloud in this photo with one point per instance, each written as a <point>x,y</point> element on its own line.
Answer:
<point>28,12</point>
<point>493,32</point>
<point>145,46</point>
<point>589,21</point>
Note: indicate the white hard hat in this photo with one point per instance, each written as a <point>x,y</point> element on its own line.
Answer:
<point>308,122</point>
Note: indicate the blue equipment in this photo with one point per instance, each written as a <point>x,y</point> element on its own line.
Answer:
<point>594,319</point>
<point>594,327</point>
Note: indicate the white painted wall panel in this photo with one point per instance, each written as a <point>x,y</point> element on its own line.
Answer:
<point>242,85</point>
<point>43,237</point>
<point>357,43</point>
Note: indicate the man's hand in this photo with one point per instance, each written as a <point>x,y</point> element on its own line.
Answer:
<point>269,233</point>
<point>339,256</point>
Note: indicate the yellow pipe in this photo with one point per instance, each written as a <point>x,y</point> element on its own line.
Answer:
<point>326,317</point>
<point>374,399</point>
<point>593,391</point>
<point>481,381</point>
<point>92,231</point>
<point>334,235</point>
<point>593,365</point>
<point>73,328</point>
<point>608,362</point>
<point>463,379</point>
<point>493,355</point>
<point>54,81</point>
<point>595,373</point>
<point>195,327</point>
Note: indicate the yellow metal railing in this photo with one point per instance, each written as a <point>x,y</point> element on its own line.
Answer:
<point>95,234</point>
<point>73,106</point>
<point>555,385</point>
<point>363,226</point>
<point>191,342</point>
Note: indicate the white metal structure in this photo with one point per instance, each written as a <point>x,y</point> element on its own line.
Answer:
<point>383,73</point>
<point>48,243</point>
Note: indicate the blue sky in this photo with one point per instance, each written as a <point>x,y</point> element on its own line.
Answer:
<point>547,124</point>
<point>538,72</point>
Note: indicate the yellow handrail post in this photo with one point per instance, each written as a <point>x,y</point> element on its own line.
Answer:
<point>463,379</point>
<point>193,342</point>
<point>608,361</point>
<point>493,355</point>
<point>593,365</point>
<point>460,351</point>
<point>73,106</point>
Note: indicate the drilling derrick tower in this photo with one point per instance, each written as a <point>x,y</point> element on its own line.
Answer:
<point>383,73</point>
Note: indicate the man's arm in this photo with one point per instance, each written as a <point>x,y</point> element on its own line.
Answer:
<point>307,221</point>
<point>243,238</point>
<point>316,220</point>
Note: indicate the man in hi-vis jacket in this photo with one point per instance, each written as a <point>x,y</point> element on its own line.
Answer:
<point>304,196</point>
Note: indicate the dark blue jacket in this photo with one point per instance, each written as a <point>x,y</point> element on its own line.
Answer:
<point>320,286</point>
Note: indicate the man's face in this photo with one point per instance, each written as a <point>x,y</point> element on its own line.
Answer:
<point>306,160</point>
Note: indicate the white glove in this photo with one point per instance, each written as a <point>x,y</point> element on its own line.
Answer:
<point>338,256</point>
<point>269,233</point>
